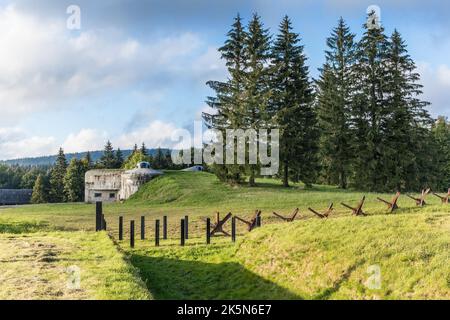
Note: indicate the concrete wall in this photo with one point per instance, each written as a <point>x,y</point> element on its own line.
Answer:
<point>131,183</point>
<point>102,185</point>
<point>13,197</point>
<point>115,185</point>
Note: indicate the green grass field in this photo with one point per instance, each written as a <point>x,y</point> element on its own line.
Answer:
<point>38,266</point>
<point>307,259</point>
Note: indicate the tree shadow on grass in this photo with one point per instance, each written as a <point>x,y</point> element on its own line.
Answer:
<point>22,227</point>
<point>192,280</point>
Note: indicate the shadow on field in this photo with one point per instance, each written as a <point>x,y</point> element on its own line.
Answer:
<point>22,227</point>
<point>180,279</point>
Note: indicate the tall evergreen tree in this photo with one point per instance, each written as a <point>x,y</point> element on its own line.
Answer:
<point>407,124</point>
<point>256,82</point>
<point>74,181</point>
<point>39,191</point>
<point>369,110</point>
<point>159,161</point>
<point>57,178</point>
<point>228,104</point>
<point>441,132</point>
<point>144,149</point>
<point>135,149</point>
<point>108,159</point>
<point>119,159</point>
<point>335,96</point>
<point>292,106</point>
<point>88,161</point>
<point>168,160</point>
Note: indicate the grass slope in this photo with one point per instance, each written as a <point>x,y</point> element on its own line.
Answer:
<point>311,259</point>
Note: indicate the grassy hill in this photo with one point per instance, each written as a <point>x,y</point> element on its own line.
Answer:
<point>307,259</point>
<point>311,259</point>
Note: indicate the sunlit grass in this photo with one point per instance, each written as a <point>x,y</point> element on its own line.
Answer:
<point>35,266</point>
<point>307,259</point>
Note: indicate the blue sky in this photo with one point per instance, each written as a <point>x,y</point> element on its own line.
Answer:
<point>136,70</point>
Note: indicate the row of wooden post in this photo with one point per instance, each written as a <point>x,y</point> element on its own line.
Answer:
<point>184,230</point>
<point>184,227</point>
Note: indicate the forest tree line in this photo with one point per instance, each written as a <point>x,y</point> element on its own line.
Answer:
<point>361,124</point>
<point>64,181</point>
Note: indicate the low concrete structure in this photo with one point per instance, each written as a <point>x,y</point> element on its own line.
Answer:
<point>15,196</point>
<point>194,169</point>
<point>115,185</point>
<point>102,185</point>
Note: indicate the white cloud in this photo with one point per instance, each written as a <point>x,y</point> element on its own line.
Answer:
<point>43,66</point>
<point>15,143</point>
<point>155,134</point>
<point>436,81</point>
<point>85,140</point>
<point>443,75</point>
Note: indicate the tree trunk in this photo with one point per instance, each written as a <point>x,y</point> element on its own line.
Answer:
<point>342,180</point>
<point>251,180</point>
<point>286,174</point>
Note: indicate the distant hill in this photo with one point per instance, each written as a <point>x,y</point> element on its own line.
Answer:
<point>50,160</point>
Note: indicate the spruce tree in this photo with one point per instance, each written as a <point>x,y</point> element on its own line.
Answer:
<point>292,106</point>
<point>370,111</point>
<point>135,149</point>
<point>74,181</point>
<point>159,161</point>
<point>256,82</point>
<point>39,191</point>
<point>408,122</point>
<point>144,149</point>
<point>119,159</point>
<point>88,161</point>
<point>441,132</point>
<point>228,103</point>
<point>57,178</point>
<point>168,160</point>
<point>108,159</point>
<point>335,95</point>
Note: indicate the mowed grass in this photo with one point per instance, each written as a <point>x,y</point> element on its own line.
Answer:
<point>65,265</point>
<point>307,259</point>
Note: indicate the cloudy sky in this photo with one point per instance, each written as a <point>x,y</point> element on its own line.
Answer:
<point>136,70</point>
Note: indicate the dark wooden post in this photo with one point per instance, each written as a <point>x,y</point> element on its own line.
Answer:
<point>233,229</point>
<point>98,216</point>
<point>132,233</point>
<point>186,227</point>
<point>157,233</point>
<point>208,231</point>
<point>120,228</point>
<point>142,228</point>
<point>258,221</point>
<point>165,227</point>
<point>182,236</point>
